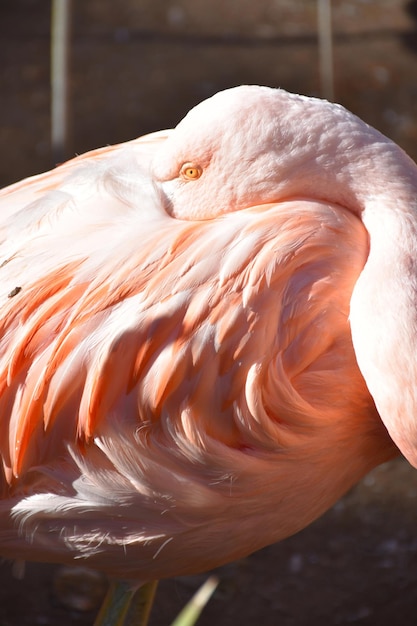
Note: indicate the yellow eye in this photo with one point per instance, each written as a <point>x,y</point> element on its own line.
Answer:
<point>190,171</point>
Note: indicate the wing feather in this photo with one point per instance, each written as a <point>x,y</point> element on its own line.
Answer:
<point>127,314</point>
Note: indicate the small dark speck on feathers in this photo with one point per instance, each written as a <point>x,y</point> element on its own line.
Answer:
<point>14,292</point>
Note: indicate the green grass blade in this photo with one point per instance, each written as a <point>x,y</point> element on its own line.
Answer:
<point>192,610</point>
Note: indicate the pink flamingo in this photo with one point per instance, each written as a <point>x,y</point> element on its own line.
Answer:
<point>202,326</point>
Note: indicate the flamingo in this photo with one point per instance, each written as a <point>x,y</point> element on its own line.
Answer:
<point>208,335</point>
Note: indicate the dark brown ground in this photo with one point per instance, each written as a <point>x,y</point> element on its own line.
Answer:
<point>138,66</point>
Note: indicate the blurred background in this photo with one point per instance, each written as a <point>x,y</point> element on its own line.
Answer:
<point>136,66</point>
<point>139,65</point>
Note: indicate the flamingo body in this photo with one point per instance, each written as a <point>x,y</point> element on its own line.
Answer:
<point>194,360</point>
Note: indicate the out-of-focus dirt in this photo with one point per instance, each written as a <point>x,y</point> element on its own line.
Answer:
<point>138,66</point>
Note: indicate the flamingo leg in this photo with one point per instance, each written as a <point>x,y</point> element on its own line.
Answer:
<point>124,606</point>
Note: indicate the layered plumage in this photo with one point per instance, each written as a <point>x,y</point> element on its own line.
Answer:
<point>182,320</point>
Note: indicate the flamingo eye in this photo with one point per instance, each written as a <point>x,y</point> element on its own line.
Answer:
<point>190,171</point>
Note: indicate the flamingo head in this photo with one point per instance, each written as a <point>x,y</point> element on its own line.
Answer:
<point>228,153</point>
<point>253,145</point>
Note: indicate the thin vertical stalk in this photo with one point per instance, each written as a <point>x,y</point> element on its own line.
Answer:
<point>324,27</point>
<point>60,35</point>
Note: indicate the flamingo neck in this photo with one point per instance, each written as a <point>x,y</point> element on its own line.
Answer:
<point>383,314</point>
